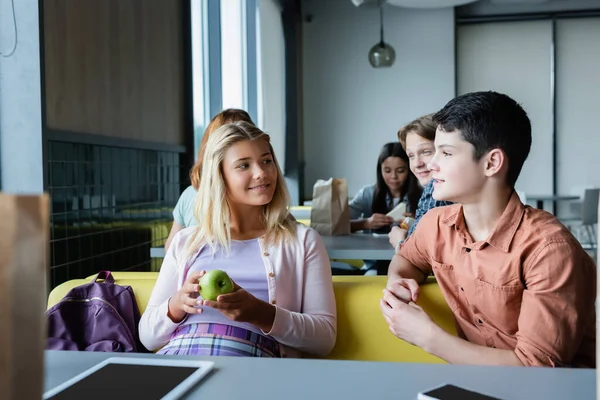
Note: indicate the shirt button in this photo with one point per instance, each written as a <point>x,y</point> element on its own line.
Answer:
<point>273,302</point>
<point>271,274</point>
<point>479,321</point>
<point>462,289</point>
<point>266,254</point>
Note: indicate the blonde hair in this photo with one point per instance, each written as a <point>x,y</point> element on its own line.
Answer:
<point>211,206</point>
<point>224,117</point>
<point>422,126</point>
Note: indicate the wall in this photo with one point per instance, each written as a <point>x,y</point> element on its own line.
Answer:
<point>514,58</point>
<point>115,67</point>
<point>577,54</point>
<point>350,109</point>
<point>577,104</point>
<point>20,101</point>
<point>271,77</point>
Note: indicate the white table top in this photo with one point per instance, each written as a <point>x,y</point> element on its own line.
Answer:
<point>357,246</point>
<point>254,378</point>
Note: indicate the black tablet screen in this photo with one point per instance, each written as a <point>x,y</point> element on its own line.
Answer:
<point>126,381</point>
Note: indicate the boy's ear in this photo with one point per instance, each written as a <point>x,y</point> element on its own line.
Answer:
<point>495,161</point>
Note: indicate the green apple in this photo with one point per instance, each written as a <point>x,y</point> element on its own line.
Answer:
<point>214,283</point>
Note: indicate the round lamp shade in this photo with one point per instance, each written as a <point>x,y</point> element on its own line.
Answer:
<point>382,55</point>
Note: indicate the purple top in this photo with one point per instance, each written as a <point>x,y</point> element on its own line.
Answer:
<point>245,266</point>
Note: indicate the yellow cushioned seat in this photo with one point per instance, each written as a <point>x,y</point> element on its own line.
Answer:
<point>142,284</point>
<point>300,208</point>
<point>129,275</point>
<point>362,332</point>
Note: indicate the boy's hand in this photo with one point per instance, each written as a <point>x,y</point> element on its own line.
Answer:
<point>403,289</point>
<point>397,235</point>
<point>407,321</point>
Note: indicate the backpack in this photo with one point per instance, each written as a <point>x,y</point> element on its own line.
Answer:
<point>97,316</point>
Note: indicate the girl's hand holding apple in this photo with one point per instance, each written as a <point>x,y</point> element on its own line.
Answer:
<point>185,300</point>
<point>242,306</point>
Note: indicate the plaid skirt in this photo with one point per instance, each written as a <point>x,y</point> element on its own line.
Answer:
<point>220,340</point>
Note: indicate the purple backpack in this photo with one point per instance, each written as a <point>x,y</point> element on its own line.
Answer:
<point>97,316</point>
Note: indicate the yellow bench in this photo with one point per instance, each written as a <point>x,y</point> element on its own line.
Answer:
<point>362,333</point>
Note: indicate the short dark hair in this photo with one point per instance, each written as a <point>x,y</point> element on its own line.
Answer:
<point>490,120</point>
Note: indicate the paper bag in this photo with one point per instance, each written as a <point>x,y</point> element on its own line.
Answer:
<point>23,263</point>
<point>330,214</point>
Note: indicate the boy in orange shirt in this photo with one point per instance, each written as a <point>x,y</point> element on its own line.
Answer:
<point>520,286</point>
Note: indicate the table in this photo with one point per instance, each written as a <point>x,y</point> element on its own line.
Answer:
<point>358,246</point>
<point>540,199</point>
<point>291,379</point>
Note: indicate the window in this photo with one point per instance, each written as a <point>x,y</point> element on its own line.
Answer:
<point>233,54</point>
<point>224,59</point>
<point>199,70</point>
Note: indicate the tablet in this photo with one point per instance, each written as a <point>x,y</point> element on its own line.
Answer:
<point>119,377</point>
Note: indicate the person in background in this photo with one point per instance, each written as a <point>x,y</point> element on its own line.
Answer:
<point>519,284</point>
<point>394,185</point>
<point>417,140</point>
<point>183,212</point>
<point>283,302</point>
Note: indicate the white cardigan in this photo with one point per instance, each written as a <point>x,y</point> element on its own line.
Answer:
<point>300,286</point>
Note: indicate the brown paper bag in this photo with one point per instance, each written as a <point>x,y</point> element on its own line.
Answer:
<point>23,264</point>
<point>330,214</point>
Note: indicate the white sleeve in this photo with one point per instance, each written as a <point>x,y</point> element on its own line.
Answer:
<point>155,326</point>
<point>314,329</point>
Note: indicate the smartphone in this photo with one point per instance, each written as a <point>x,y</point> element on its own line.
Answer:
<point>451,392</point>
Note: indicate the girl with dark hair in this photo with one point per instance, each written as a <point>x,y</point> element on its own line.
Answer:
<point>395,184</point>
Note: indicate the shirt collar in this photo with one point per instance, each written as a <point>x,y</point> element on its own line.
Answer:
<point>506,227</point>
<point>390,200</point>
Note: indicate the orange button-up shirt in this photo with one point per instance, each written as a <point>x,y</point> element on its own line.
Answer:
<point>529,287</point>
